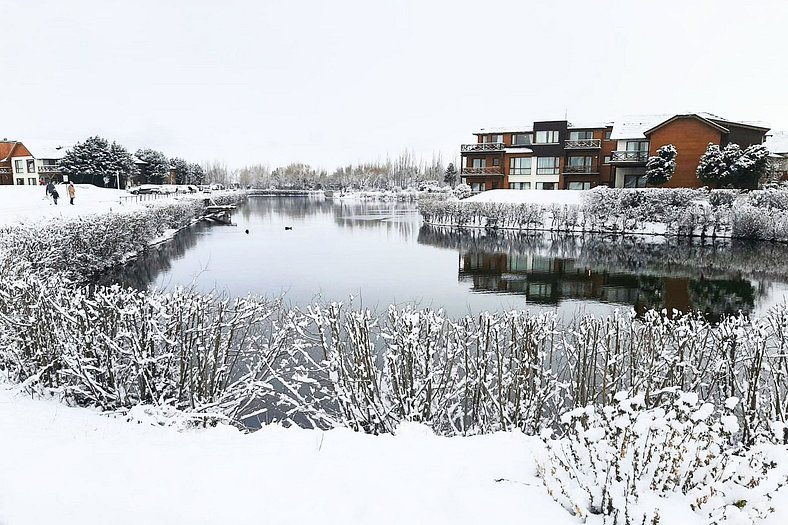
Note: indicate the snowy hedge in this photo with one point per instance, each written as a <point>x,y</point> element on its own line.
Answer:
<point>77,247</point>
<point>759,214</point>
<point>331,365</point>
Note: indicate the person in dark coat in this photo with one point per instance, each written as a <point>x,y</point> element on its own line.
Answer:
<point>55,194</point>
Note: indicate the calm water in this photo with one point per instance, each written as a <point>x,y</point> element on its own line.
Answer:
<point>380,253</point>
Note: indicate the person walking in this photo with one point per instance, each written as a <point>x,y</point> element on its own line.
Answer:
<point>55,194</point>
<point>50,189</point>
<point>71,191</point>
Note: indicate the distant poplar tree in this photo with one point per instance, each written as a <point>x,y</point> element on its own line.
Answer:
<point>450,176</point>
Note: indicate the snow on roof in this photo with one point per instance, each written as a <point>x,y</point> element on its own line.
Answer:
<point>587,125</point>
<point>47,149</point>
<point>511,129</point>
<point>518,150</point>
<point>777,143</point>
<point>633,126</point>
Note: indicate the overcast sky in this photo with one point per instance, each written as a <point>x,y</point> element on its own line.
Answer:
<point>348,81</point>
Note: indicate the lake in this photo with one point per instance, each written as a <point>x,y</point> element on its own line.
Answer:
<point>380,253</point>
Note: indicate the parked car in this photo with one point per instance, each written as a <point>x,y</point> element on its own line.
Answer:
<point>145,188</point>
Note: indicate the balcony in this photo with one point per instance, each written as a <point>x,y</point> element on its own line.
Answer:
<point>629,156</point>
<point>580,169</point>
<point>48,169</point>
<point>483,147</point>
<point>5,171</point>
<point>583,144</point>
<point>492,170</point>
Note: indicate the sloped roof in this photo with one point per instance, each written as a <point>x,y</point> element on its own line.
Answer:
<point>5,149</point>
<point>47,149</point>
<point>706,121</point>
<point>634,126</point>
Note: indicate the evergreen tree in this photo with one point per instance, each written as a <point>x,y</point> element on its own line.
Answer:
<point>732,167</point>
<point>198,175</point>
<point>156,167</point>
<point>450,176</point>
<point>96,161</point>
<point>752,167</point>
<point>183,171</point>
<point>660,167</point>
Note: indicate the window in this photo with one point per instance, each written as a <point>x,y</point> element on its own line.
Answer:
<point>20,181</point>
<point>496,161</point>
<point>581,135</point>
<point>634,181</point>
<point>31,181</point>
<point>520,166</point>
<point>479,163</point>
<point>19,167</point>
<point>547,165</point>
<point>579,186</point>
<point>547,137</point>
<point>522,139</point>
<point>31,166</point>
<point>606,159</point>
<point>608,133</point>
<point>477,187</point>
<point>545,185</point>
<point>580,161</point>
<point>637,145</point>
<point>492,138</point>
<point>519,185</point>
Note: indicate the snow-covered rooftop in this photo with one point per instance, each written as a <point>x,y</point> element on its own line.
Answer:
<point>633,126</point>
<point>777,143</point>
<point>587,125</point>
<point>510,129</point>
<point>47,149</point>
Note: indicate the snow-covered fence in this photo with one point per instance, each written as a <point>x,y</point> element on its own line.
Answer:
<point>335,365</point>
<point>759,214</point>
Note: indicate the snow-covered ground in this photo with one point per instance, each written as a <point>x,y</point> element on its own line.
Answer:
<point>29,203</point>
<point>531,196</point>
<point>72,466</point>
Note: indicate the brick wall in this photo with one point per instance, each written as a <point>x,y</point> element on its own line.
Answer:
<point>691,138</point>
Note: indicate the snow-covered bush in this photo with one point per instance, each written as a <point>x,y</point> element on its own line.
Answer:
<point>462,191</point>
<point>621,462</point>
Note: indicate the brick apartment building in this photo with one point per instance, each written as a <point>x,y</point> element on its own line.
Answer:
<point>558,154</point>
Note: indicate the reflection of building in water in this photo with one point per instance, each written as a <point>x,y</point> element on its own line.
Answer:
<point>548,280</point>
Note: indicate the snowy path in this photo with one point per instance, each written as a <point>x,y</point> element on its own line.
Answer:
<point>71,466</point>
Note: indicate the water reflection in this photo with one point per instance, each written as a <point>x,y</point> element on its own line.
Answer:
<point>716,279</point>
<point>379,253</point>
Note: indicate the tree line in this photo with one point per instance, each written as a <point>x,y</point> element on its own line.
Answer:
<point>101,163</point>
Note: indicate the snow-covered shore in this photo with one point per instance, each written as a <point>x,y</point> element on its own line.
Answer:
<point>73,466</point>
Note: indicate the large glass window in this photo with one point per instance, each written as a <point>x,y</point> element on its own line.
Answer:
<point>519,185</point>
<point>637,145</point>
<point>522,139</point>
<point>547,137</point>
<point>546,185</point>
<point>479,163</point>
<point>31,166</point>
<point>477,187</point>
<point>581,135</point>
<point>19,167</point>
<point>547,165</point>
<point>492,138</point>
<point>520,166</point>
<point>634,181</point>
<point>580,161</point>
<point>579,186</point>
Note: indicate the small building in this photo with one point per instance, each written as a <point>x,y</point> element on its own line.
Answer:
<point>777,144</point>
<point>30,163</point>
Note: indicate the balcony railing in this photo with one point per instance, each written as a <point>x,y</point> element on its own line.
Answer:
<point>629,156</point>
<point>579,169</point>
<point>583,144</point>
<point>5,171</point>
<point>48,169</point>
<point>485,146</point>
<point>492,170</point>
